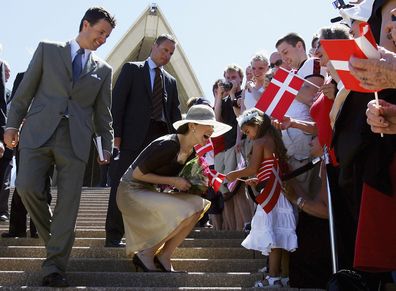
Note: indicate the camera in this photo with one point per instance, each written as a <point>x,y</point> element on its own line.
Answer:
<point>340,4</point>
<point>227,85</point>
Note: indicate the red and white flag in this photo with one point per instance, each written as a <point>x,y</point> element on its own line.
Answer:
<point>202,150</point>
<point>215,179</point>
<point>269,196</point>
<point>206,151</point>
<point>280,93</point>
<point>340,51</point>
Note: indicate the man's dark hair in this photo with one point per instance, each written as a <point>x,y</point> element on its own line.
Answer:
<point>163,37</point>
<point>94,14</point>
<point>292,39</point>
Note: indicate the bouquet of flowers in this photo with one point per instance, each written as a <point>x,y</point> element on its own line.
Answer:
<point>196,172</point>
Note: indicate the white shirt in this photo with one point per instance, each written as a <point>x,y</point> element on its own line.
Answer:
<point>74,46</point>
<point>152,67</point>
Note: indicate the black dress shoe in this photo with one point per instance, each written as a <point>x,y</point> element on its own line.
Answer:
<point>12,234</point>
<point>34,235</point>
<point>140,265</point>
<point>55,280</point>
<point>163,269</point>
<point>114,244</point>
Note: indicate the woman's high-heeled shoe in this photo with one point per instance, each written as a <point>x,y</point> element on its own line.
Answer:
<point>140,265</point>
<point>162,267</point>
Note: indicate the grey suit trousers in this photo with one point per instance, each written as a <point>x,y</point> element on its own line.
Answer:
<point>57,229</point>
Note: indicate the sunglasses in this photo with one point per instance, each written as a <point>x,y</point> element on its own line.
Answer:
<point>276,64</point>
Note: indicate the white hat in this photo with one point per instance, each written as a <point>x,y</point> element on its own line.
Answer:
<point>361,11</point>
<point>203,114</point>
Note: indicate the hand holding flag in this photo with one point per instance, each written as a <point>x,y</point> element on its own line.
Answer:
<point>340,51</point>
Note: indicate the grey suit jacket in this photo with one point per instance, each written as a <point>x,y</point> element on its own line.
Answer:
<point>47,91</point>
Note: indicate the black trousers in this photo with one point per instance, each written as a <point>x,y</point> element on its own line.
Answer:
<point>5,180</point>
<point>118,165</point>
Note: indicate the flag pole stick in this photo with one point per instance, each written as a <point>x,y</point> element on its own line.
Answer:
<point>333,244</point>
<point>377,103</point>
<point>312,84</point>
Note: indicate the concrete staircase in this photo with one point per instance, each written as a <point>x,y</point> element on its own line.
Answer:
<point>215,260</point>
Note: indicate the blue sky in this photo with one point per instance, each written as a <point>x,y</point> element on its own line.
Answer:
<point>212,33</point>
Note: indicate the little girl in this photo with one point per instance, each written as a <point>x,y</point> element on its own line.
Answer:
<point>274,231</point>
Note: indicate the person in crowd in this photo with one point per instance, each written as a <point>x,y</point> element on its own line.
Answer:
<point>156,223</point>
<point>292,49</point>
<point>145,104</point>
<point>217,207</point>
<point>274,231</point>
<point>248,74</point>
<point>381,117</point>
<point>5,153</point>
<point>260,65</point>
<point>275,61</point>
<point>367,163</point>
<point>68,88</point>
<point>315,273</point>
<point>226,109</point>
<point>314,44</point>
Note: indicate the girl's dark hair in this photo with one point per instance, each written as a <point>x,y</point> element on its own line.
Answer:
<point>183,129</point>
<point>265,126</point>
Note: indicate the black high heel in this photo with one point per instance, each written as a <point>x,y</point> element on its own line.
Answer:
<point>139,264</point>
<point>162,267</point>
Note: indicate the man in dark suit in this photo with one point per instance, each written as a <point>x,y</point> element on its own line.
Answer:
<point>64,96</point>
<point>5,153</point>
<point>143,110</point>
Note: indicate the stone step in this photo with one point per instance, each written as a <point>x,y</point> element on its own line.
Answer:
<point>99,242</point>
<point>102,252</point>
<point>157,289</point>
<point>97,231</point>
<point>126,265</point>
<point>134,279</point>
<point>195,233</point>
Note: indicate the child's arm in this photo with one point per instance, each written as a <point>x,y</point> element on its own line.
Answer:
<point>254,164</point>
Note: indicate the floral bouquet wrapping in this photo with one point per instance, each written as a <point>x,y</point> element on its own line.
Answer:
<point>196,172</point>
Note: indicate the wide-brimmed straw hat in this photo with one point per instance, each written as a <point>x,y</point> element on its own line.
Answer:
<point>203,114</point>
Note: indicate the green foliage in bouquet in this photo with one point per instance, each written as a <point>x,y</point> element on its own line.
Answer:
<point>194,172</point>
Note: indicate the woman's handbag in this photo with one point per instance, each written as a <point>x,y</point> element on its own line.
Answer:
<point>347,280</point>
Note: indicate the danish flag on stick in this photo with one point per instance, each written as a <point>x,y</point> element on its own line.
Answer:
<point>215,179</point>
<point>206,151</point>
<point>269,196</point>
<point>280,93</point>
<point>340,51</point>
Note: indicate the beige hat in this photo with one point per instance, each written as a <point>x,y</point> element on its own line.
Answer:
<point>203,114</point>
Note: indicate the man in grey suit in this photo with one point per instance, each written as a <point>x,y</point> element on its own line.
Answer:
<point>64,97</point>
<point>143,110</point>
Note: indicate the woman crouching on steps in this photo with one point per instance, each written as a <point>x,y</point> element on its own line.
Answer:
<point>156,222</point>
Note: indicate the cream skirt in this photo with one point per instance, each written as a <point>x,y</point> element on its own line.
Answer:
<point>149,216</point>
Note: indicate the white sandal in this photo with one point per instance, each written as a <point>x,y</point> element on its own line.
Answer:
<point>269,282</point>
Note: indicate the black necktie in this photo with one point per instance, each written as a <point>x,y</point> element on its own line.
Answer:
<point>77,64</point>
<point>157,95</point>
